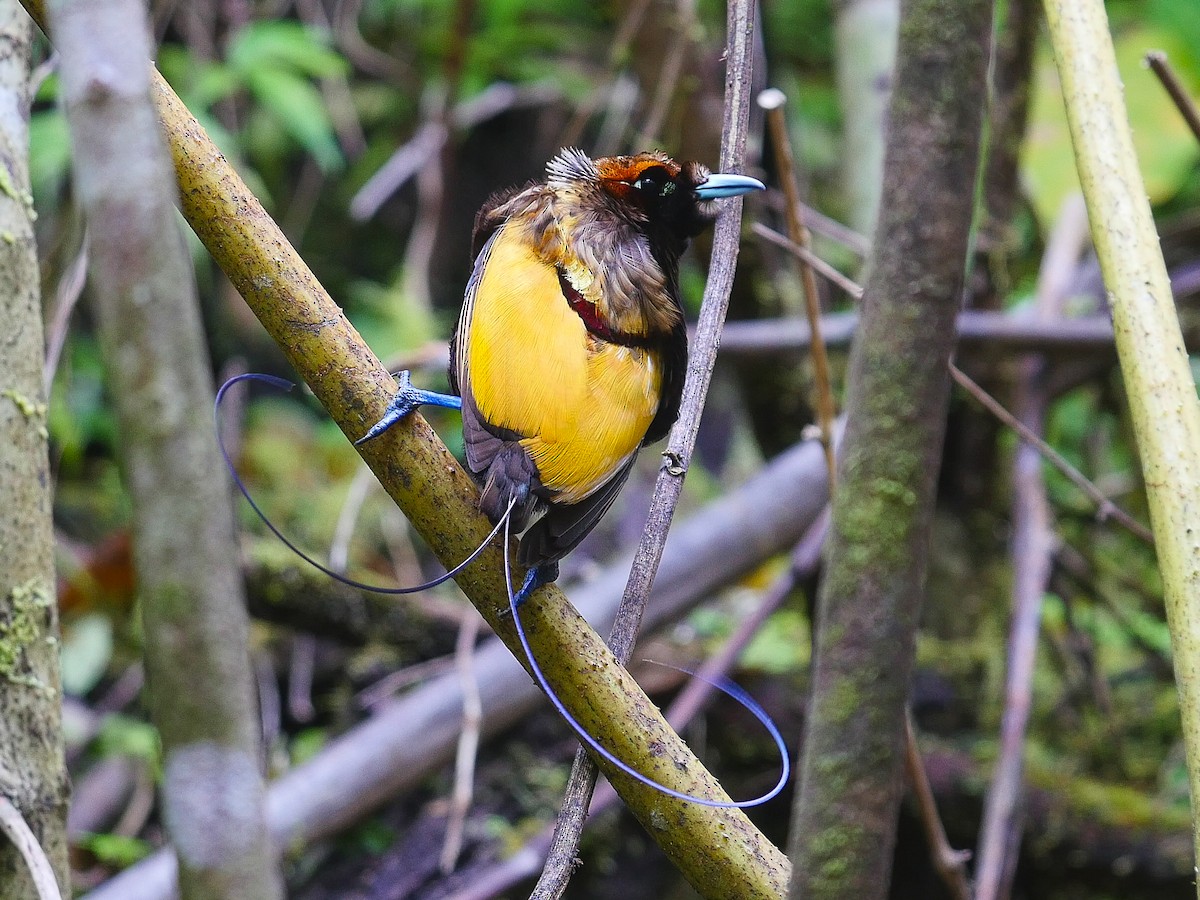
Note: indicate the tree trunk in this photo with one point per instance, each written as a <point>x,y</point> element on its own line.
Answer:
<point>32,770</point>
<point>844,821</point>
<point>186,559</point>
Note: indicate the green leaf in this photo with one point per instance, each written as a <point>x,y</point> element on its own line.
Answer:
<point>1166,150</point>
<point>86,651</point>
<point>307,744</point>
<point>284,45</point>
<point>115,850</point>
<point>199,82</point>
<point>300,109</point>
<point>123,736</point>
<point>49,151</point>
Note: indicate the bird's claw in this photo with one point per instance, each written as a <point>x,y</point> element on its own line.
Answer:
<point>406,399</point>
<point>536,577</point>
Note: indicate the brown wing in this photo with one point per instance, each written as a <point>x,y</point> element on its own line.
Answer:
<point>561,529</point>
<point>674,361</point>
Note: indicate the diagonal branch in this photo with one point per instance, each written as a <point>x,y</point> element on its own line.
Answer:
<point>1159,382</point>
<point>439,498</point>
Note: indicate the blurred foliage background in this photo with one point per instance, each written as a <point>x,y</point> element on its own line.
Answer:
<point>373,130</point>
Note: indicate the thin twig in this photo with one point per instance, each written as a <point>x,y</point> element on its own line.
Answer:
<point>1106,509</point>
<point>827,271</point>
<point>1157,61</point>
<point>951,864</point>
<point>66,296</point>
<point>14,827</point>
<point>1032,555</point>
<point>468,744</point>
<point>684,31</point>
<point>682,439</point>
<point>270,703</point>
<point>826,227</point>
<point>408,159</point>
<point>772,101</point>
<point>805,560</point>
<point>383,689</point>
<point>362,53</point>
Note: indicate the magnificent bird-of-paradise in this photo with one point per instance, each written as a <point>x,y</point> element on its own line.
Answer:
<point>569,356</point>
<point>570,350</point>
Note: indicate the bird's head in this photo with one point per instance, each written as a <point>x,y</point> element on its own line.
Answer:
<point>650,190</point>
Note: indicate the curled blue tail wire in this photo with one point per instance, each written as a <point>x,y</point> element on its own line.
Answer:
<point>724,685</point>
<point>514,602</point>
<point>284,384</point>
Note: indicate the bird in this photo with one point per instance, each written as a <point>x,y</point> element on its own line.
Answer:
<point>568,357</point>
<point>571,348</point>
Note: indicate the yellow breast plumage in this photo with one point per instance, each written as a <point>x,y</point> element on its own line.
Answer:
<point>580,406</point>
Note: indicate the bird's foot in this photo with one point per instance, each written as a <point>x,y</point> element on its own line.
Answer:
<point>406,399</point>
<point>545,573</point>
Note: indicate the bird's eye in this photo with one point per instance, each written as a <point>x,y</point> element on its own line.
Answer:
<point>655,182</point>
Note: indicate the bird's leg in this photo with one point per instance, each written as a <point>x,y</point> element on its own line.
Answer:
<point>543,573</point>
<point>407,399</point>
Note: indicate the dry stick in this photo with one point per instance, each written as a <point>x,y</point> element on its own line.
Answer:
<point>384,689</point>
<point>804,253</point>
<point>702,358</point>
<point>1033,550</point>
<point>805,560</point>
<point>302,662</point>
<point>1157,61</point>
<point>468,744</point>
<point>772,101</point>
<point>950,864</point>
<point>1105,508</point>
<point>1033,546</point>
<point>19,834</point>
<point>66,296</point>
<point>826,227</point>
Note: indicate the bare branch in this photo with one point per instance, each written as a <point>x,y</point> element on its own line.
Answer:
<point>14,827</point>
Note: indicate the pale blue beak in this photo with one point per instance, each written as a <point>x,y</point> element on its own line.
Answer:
<point>719,186</point>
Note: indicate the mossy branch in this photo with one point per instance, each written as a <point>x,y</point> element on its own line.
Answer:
<point>844,818</point>
<point>718,850</point>
<point>1154,363</point>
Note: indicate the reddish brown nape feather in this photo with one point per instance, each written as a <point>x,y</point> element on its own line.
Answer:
<point>627,169</point>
